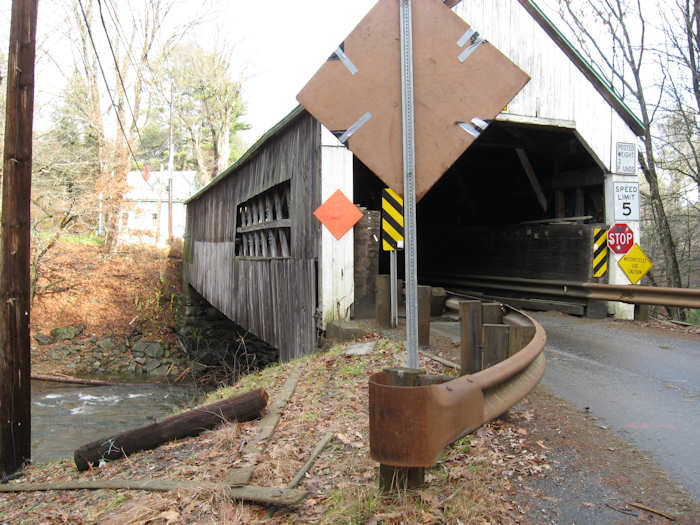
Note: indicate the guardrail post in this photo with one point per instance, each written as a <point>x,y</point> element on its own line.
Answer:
<point>641,312</point>
<point>383,301</point>
<point>492,313</point>
<point>470,344</point>
<point>518,337</point>
<point>393,479</point>
<point>495,343</point>
<point>425,295</point>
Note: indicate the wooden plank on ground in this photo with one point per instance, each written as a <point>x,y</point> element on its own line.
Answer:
<point>269,495</point>
<point>256,445</point>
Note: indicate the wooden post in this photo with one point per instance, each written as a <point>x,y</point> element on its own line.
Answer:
<point>518,337</point>
<point>559,204</point>
<point>425,294</point>
<point>641,313</point>
<point>470,344</point>
<point>394,479</point>
<point>491,313</point>
<point>15,389</point>
<point>580,206</point>
<point>495,343</point>
<point>383,301</point>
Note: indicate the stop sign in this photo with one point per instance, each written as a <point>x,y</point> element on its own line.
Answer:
<point>620,238</point>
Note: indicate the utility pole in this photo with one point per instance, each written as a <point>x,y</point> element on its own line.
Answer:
<point>15,388</point>
<point>171,162</point>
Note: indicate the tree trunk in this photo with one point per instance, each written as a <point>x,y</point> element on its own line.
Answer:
<point>673,272</point>
<point>223,147</point>
<point>15,390</point>
<point>240,408</point>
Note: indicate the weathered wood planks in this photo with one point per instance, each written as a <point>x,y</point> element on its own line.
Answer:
<point>273,297</point>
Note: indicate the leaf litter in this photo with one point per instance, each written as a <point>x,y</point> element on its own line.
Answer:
<point>472,482</point>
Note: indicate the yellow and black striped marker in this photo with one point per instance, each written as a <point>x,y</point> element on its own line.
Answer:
<point>600,251</point>
<point>392,220</point>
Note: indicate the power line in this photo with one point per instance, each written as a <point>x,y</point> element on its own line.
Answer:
<point>119,74</point>
<point>112,11</point>
<point>104,77</point>
<point>122,34</point>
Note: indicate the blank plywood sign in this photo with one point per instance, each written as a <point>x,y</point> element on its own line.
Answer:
<point>460,81</point>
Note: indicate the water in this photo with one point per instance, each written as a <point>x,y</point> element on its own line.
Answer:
<point>65,416</point>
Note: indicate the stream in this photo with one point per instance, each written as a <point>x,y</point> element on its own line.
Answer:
<point>65,416</point>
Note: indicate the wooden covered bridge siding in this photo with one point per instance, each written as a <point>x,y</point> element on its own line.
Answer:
<point>236,234</point>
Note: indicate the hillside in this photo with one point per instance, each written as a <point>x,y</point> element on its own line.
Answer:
<point>107,302</point>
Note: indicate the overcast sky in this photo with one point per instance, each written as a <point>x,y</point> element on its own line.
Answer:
<point>280,44</point>
<point>277,46</point>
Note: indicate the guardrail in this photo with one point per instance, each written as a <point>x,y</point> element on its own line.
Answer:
<point>633,294</point>
<point>410,425</point>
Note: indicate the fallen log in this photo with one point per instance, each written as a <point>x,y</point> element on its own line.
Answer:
<point>80,380</point>
<point>239,408</point>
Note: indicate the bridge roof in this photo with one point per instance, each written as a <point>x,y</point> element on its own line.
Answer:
<point>599,83</point>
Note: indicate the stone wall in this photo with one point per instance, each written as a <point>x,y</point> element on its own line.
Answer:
<point>212,340</point>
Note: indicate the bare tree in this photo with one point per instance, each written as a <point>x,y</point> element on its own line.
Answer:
<point>132,36</point>
<point>680,133</point>
<point>627,65</point>
<point>208,105</point>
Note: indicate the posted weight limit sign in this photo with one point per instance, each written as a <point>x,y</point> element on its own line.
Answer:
<point>626,201</point>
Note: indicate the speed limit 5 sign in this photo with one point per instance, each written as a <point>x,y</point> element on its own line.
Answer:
<point>626,198</point>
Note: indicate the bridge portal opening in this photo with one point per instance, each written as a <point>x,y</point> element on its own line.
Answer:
<point>520,202</point>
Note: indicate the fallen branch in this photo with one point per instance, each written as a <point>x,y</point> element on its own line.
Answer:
<point>79,380</point>
<point>652,510</point>
<point>305,468</point>
<point>191,423</point>
<point>621,511</point>
<point>271,496</point>
<point>442,361</point>
<point>312,459</point>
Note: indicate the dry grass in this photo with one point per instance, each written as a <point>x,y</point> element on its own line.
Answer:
<point>470,484</point>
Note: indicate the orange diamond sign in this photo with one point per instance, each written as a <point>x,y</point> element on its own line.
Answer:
<point>460,82</point>
<point>338,214</point>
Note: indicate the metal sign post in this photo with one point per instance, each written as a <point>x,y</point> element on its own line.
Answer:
<point>394,290</point>
<point>409,183</point>
<point>392,240</point>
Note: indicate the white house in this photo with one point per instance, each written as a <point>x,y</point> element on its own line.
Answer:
<point>145,212</point>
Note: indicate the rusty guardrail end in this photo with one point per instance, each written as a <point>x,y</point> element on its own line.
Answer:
<point>409,426</point>
<point>501,398</point>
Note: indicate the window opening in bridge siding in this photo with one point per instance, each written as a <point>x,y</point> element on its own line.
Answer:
<point>263,224</point>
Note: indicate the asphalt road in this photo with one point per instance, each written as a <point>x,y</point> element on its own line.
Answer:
<point>640,382</point>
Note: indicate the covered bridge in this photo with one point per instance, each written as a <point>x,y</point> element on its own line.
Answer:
<point>255,251</point>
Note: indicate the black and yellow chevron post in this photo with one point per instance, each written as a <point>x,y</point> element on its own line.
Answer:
<point>392,220</point>
<point>600,251</point>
